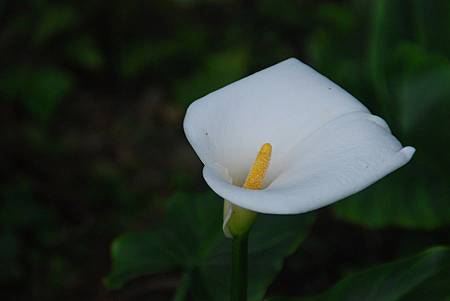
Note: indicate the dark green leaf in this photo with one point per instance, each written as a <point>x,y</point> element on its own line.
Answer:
<point>39,90</point>
<point>409,83</point>
<point>415,197</point>
<point>192,240</point>
<point>425,276</point>
<point>159,55</point>
<point>85,52</point>
<point>399,200</point>
<point>54,20</point>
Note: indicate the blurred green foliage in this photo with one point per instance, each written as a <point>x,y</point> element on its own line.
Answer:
<point>92,95</point>
<point>19,212</point>
<point>230,64</point>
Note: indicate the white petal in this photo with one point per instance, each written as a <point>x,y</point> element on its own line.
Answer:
<point>341,158</point>
<point>281,105</point>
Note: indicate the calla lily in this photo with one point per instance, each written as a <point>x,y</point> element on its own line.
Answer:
<point>325,144</point>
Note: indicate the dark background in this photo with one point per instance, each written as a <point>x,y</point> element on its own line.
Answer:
<point>92,98</point>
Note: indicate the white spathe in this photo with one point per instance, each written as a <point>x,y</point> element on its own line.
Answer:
<point>326,144</point>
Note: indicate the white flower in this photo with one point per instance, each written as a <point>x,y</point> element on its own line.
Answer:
<point>326,145</point>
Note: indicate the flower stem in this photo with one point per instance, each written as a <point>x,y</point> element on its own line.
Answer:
<point>183,287</point>
<point>239,268</point>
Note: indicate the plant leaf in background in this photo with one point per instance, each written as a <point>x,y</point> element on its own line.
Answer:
<point>403,76</point>
<point>53,21</point>
<point>416,197</point>
<point>163,55</point>
<point>391,203</point>
<point>192,241</point>
<point>39,90</point>
<point>85,52</point>
<point>19,212</point>
<point>422,277</point>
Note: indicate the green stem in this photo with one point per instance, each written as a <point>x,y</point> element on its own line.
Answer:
<point>183,287</point>
<point>239,268</point>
